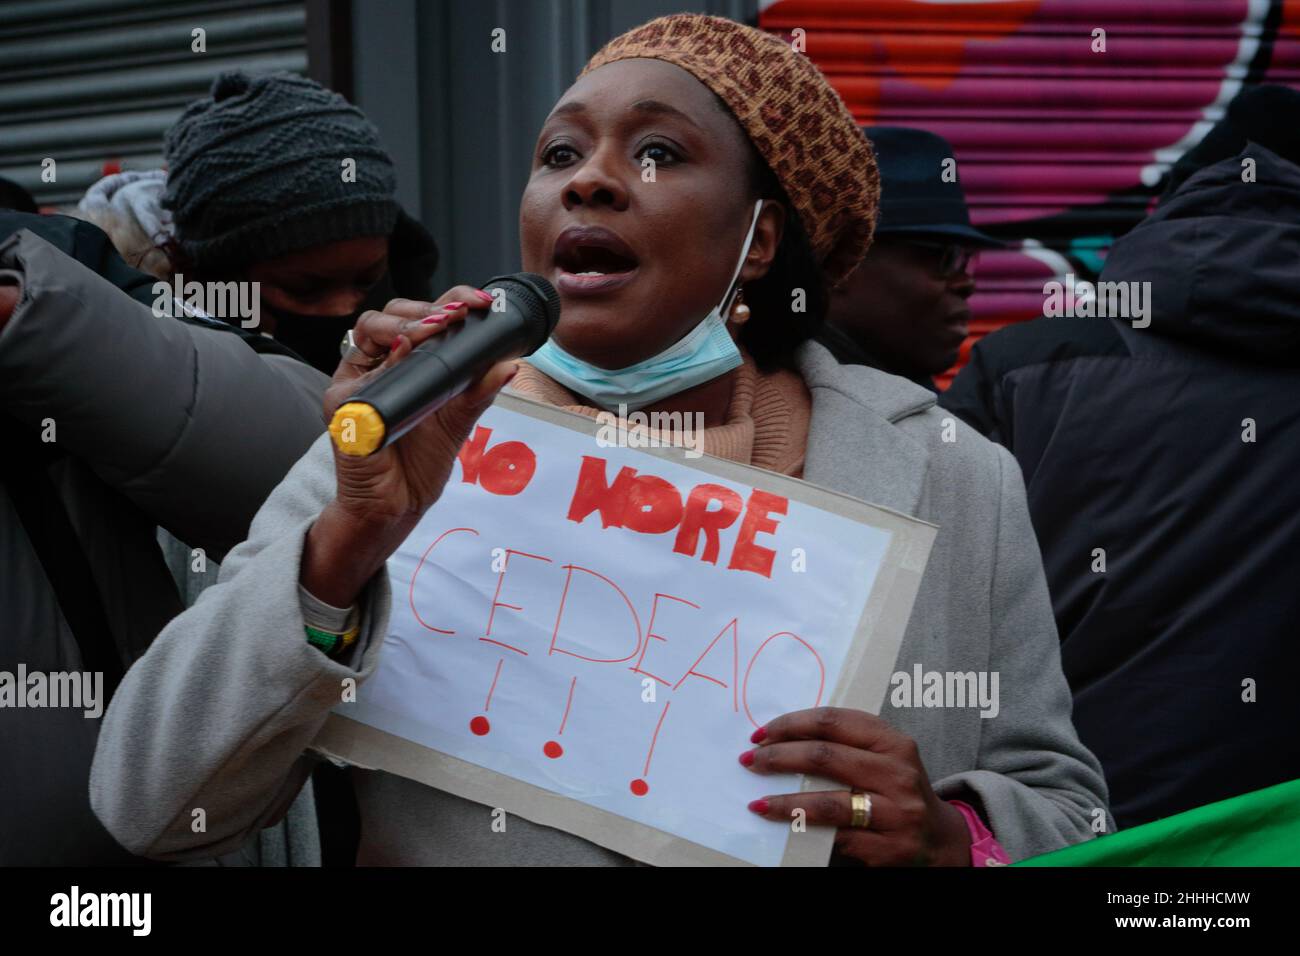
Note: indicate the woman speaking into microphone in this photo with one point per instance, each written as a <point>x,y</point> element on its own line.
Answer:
<point>678,293</point>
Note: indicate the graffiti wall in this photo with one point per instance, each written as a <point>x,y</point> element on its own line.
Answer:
<point>1063,135</point>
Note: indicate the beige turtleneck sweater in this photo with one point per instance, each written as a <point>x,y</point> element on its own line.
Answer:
<point>766,424</point>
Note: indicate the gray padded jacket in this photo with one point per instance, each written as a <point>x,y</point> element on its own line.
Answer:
<point>155,422</point>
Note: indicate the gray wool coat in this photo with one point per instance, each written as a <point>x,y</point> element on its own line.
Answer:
<point>222,710</point>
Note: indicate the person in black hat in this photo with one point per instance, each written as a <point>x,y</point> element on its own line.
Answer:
<point>904,309</point>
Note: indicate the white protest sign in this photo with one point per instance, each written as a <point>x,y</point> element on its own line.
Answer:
<point>587,636</point>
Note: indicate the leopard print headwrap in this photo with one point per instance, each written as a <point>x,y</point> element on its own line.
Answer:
<point>798,123</point>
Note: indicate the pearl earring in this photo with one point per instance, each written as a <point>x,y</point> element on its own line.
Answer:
<point>740,311</point>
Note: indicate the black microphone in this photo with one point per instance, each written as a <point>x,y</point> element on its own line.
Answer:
<point>447,364</point>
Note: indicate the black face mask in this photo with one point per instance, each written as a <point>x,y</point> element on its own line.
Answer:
<point>315,337</point>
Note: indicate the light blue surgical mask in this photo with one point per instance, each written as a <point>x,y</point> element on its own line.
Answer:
<point>701,355</point>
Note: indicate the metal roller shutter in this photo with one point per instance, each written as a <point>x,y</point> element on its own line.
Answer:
<point>1058,147</point>
<point>93,84</point>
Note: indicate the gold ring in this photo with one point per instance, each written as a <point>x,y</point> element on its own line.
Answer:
<point>861,810</point>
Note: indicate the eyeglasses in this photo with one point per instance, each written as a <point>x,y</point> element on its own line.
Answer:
<point>952,259</point>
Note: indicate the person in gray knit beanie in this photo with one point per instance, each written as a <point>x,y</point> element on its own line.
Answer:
<point>273,178</point>
<point>257,169</point>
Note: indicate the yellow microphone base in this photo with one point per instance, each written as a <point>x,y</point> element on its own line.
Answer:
<point>357,429</point>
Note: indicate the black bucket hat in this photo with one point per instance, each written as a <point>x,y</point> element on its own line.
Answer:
<point>915,199</point>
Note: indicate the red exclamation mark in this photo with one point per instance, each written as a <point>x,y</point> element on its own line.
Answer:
<point>552,748</point>
<point>639,786</point>
<point>479,725</point>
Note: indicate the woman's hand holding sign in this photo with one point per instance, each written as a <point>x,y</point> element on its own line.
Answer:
<point>381,497</point>
<point>909,824</point>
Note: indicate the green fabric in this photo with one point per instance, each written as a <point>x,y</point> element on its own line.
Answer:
<point>1254,829</point>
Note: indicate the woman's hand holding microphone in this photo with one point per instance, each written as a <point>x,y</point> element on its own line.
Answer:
<point>381,497</point>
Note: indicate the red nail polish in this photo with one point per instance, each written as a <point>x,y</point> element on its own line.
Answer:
<point>510,378</point>
<point>758,806</point>
<point>447,306</point>
<point>759,736</point>
<point>747,758</point>
<point>434,319</point>
<point>485,296</point>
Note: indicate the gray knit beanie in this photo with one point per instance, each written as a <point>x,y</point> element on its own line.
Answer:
<point>256,171</point>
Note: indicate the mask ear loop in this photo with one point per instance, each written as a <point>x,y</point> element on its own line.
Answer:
<point>728,300</point>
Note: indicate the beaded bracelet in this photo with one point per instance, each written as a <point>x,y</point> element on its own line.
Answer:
<point>329,642</point>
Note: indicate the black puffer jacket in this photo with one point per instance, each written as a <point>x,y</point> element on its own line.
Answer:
<point>1184,653</point>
